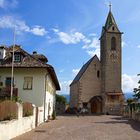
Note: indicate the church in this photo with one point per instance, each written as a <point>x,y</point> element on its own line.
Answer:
<point>97,86</point>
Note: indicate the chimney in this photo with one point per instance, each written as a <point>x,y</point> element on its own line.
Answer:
<point>34,52</point>
<point>2,52</point>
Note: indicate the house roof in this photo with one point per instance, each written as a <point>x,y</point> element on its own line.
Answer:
<point>40,57</point>
<point>27,61</point>
<point>83,69</point>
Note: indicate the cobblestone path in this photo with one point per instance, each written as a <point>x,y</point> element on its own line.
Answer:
<point>104,127</point>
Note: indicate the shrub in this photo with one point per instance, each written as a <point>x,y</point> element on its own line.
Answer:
<point>54,115</point>
<point>27,109</point>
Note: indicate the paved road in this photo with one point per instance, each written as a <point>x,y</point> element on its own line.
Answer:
<point>103,127</point>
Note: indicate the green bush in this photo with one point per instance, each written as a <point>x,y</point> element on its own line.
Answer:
<point>61,99</point>
<point>10,116</point>
<point>28,113</point>
<point>54,115</point>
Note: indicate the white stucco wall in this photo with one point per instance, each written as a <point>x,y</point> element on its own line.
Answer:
<point>41,82</point>
<point>50,101</point>
<point>36,95</point>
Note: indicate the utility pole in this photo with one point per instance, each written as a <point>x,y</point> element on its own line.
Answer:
<point>12,73</point>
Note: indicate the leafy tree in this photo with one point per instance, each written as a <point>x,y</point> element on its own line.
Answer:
<point>130,100</point>
<point>137,90</point>
<point>61,99</point>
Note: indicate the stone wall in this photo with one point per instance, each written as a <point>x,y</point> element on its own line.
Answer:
<point>74,94</point>
<point>91,81</point>
<point>136,116</point>
<point>111,63</point>
<point>89,84</point>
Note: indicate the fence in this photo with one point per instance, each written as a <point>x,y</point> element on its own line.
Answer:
<point>27,109</point>
<point>18,125</point>
<point>132,111</point>
<point>8,110</point>
<point>5,93</point>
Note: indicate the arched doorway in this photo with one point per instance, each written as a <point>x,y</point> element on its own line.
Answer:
<point>96,104</point>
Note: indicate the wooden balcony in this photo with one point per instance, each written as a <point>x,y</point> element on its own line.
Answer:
<point>5,92</point>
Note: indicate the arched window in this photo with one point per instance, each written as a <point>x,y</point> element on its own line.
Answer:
<point>113,43</point>
<point>98,73</point>
<point>113,28</point>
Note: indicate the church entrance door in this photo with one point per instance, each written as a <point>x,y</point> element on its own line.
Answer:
<point>96,104</point>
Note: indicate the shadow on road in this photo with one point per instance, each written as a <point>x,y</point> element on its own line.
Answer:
<point>134,124</point>
<point>68,115</point>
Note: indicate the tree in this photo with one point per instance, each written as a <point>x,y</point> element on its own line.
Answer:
<point>137,90</point>
<point>130,100</point>
<point>61,99</point>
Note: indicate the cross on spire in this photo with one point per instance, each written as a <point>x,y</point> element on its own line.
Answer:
<point>110,5</point>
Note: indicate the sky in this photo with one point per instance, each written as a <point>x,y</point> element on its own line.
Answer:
<point>67,32</point>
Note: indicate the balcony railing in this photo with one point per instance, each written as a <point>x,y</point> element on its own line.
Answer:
<point>5,92</point>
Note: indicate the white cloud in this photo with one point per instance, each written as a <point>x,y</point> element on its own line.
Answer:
<point>62,70</point>
<point>91,53</point>
<point>93,47</point>
<point>2,3</point>
<point>94,44</point>
<point>65,89</point>
<point>86,40</point>
<point>8,3</point>
<point>138,46</point>
<point>92,34</point>
<point>11,22</point>
<point>20,25</point>
<point>129,82</point>
<point>75,71</point>
<point>124,44</point>
<point>71,38</point>
<point>38,30</point>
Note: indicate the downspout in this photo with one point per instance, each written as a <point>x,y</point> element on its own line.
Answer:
<point>45,96</point>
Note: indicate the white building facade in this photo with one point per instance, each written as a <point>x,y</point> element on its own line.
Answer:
<point>35,81</point>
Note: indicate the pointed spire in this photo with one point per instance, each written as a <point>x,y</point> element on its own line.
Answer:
<point>110,19</point>
<point>110,6</point>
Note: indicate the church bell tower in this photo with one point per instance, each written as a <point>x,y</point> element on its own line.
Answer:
<point>110,41</point>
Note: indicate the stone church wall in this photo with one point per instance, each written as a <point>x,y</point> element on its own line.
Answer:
<point>91,81</point>
<point>74,88</point>
<point>112,65</point>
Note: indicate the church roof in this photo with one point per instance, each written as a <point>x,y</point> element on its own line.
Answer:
<point>83,69</point>
<point>109,22</point>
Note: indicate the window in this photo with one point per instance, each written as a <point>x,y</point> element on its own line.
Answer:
<point>8,81</point>
<point>113,43</point>
<point>17,58</point>
<point>95,66</point>
<point>28,81</point>
<point>98,73</point>
<point>113,28</point>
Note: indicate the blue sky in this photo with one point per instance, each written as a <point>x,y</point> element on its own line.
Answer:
<point>68,31</point>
